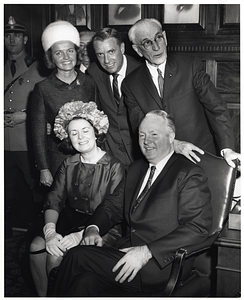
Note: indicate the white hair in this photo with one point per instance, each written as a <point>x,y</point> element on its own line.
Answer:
<point>133,30</point>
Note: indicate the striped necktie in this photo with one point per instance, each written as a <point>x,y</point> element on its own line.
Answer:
<point>116,88</point>
<point>160,82</point>
<point>145,190</point>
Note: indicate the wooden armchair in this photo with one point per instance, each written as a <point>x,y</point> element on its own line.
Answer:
<point>221,183</point>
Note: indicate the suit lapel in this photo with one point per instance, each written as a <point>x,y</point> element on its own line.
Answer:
<point>165,169</point>
<point>140,176</point>
<point>110,101</point>
<point>107,83</point>
<point>129,69</point>
<point>131,66</point>
<point>150,86</point>
<point>170,71</point>
<point>160,177</point>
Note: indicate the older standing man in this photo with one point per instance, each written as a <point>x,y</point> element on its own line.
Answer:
<point>21,74</point>
<point>179,85</point>
<point>166,206</point>
<point>109,72</point>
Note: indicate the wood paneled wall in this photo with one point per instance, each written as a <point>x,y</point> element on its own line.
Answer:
<point>215,41</point>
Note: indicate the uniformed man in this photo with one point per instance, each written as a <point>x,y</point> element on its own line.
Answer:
<point>21,74</point>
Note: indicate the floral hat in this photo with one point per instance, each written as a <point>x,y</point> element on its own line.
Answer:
<point>87,111</point>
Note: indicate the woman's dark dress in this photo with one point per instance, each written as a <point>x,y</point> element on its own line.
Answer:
<point>48,97</point>
<point>79,188</point>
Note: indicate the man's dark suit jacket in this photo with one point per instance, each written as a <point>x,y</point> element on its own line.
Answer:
<point>189,95</point>
<point>119,137</point>
<point>176,212</point>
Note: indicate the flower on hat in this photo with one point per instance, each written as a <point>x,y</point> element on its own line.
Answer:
<point>87,111</point>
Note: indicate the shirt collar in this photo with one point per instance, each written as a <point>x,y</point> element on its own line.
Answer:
<point>160,165</point>
<point>153,70</point>
<point>20,58</point>
<point>122,71</point>
<point>83,68</point>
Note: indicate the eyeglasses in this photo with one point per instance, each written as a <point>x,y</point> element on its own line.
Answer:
<point>147,44</point>
<point>83,45</point>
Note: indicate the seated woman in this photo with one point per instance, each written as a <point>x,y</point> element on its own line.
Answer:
<point>81,183</point>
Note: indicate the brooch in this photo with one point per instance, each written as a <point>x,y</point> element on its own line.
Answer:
<point>21,80</point>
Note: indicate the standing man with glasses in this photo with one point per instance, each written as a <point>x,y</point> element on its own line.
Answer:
<point>179,85</point>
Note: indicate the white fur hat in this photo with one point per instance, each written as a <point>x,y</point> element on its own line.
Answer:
<point>59,31</point>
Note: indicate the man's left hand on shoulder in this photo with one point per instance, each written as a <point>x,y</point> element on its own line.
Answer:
<point>132,262</point>
<point>188,150</point>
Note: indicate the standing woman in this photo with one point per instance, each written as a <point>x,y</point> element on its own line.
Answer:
<point>60,41</point>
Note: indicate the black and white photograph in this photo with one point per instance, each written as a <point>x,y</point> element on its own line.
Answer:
<point>122,157</point>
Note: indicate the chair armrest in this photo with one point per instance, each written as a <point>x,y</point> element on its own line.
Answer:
<point>180,256</point>
<point>175,272</point>
<point>194,249</point>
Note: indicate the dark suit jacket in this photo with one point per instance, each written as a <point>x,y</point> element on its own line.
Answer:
<point>119,138</point>
<point>189,95</point>
<point>175,213</point>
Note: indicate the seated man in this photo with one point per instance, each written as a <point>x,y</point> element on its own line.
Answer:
<point>173,210</point>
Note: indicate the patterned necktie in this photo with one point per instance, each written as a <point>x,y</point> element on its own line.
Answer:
<point>13,67</point>
<point>146,189</point>
<point>160,82</point>
<point>116,88</point>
